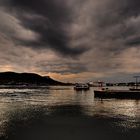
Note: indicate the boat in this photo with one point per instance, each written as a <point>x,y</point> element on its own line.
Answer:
<point>136,86</point>
<point>134,89</point>
<point>118,94</point>
<point>81,86</point>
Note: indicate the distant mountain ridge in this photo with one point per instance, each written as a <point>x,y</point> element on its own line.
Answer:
<point>13,78</point>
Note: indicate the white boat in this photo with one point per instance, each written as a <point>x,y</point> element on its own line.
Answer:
<point>81,86</point>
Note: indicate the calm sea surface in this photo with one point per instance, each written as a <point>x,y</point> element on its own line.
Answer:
<point>60,113</point>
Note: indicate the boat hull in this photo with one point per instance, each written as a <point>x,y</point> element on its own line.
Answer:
<point>134,89</point>
<point>118,94</point>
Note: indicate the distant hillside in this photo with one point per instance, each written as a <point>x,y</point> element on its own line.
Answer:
<point>12,78</point>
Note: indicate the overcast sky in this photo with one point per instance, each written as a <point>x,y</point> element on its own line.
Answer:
<point>71,40</point>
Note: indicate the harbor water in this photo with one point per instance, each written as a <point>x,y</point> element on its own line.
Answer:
<point>61,113</point>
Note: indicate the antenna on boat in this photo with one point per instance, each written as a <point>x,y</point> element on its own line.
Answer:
<point>100,84</point>
<point>136,77</point>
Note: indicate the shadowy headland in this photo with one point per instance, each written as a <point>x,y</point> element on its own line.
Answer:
<point>13,78</point>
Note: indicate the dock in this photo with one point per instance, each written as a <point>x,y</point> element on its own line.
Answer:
<point>118,94</point>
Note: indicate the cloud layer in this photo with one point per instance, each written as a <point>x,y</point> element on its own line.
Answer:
<point>79,39</point>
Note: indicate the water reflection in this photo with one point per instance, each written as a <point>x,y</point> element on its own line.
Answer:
<point>61,112</point>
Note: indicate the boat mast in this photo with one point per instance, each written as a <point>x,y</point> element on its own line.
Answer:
<point>136,84</point>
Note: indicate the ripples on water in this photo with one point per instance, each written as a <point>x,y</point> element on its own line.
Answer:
<point>62,113</point>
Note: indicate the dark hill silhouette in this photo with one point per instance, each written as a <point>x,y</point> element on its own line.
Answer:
<point>13,78</point>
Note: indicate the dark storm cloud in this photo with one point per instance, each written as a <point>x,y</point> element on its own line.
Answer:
<point>105,32</point>
<point>113,21</point>
<point>50,19</point>
<point>133,42</point>
<point>114,12</point>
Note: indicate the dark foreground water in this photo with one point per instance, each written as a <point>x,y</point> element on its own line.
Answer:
<point>60,113</point>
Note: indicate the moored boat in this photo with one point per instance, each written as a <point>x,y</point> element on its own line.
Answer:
<point>119,94</point>
<point>134,89</point>
<point>81,86</point>
<point>136,86</point>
